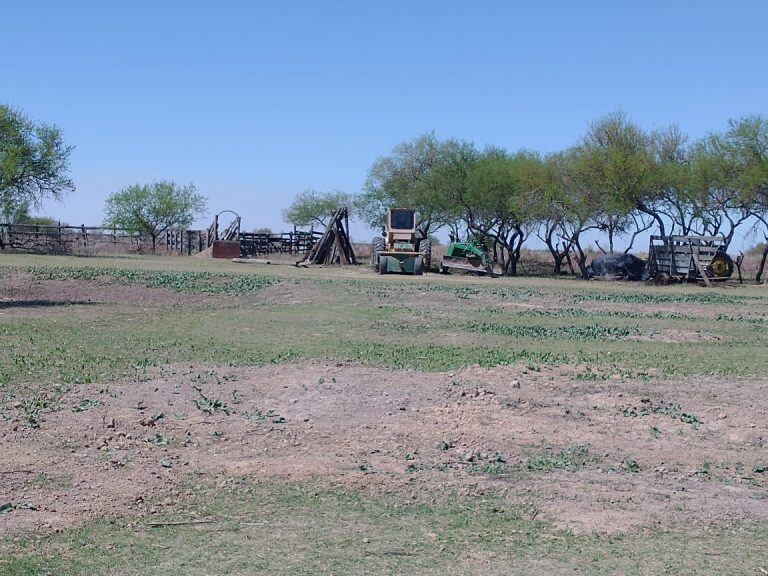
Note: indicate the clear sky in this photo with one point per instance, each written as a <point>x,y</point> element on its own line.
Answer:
<point>256,101</point>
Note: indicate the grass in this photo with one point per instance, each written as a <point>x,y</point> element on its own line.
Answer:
<point>296,529</point>
<point>570,459</point>
<point>42,352</point>
<point>434,325</point>
<point>185,282</point>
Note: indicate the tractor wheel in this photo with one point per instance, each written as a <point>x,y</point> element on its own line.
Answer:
<point>721,266</point>
<point>425,248</point>
<point>383,265</point>
<point>377,246</point>
<point>418,266</point>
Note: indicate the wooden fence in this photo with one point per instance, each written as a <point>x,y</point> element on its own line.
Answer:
<point>186,241</point>
<point>95,240</point>
<point>295,242</point>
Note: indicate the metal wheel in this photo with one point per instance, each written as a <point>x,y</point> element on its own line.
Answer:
<point>721,266</point>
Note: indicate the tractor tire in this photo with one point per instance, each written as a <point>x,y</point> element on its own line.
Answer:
<point>383,265</point>
<point>418,266</point>
<point>378,245</point>
<point>425,248</point>
<point>721,266</point>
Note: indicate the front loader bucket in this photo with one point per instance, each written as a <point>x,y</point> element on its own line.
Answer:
<point>467,264</point>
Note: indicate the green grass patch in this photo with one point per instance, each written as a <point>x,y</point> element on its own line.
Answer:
<point>571,459</point>
<point>594,332</point>
<point>293,529</point>
<point>397,322</point>
<point>185,282</point>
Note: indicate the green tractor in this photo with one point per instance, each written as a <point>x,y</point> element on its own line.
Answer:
<point>468,256</point>
<point>402,248</point>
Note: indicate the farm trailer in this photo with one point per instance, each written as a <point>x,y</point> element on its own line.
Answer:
<point>689,259</point>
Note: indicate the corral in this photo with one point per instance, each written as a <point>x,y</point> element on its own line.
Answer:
<point>187,414</point>
<point>96,240</point>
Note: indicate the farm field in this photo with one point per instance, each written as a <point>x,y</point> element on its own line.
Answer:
<point>192,416</point>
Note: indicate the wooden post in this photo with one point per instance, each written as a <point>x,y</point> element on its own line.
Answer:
<point>699,267</point>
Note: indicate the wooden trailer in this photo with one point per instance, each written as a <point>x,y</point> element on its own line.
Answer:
<point>689,259</point>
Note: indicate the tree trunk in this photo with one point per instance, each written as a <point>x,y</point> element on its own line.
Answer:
<point>582,260</point>
<point>557,257</point>
<point>154,242</point>
<point>558,264</point>
<point>513,257</point>
<point>553,247</point>
<point>761,268</point>
<point>583,266</point>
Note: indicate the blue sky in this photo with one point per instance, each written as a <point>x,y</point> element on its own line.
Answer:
<point>256,101</point>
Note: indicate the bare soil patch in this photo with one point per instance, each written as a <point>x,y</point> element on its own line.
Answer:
<point>678,336</point>
<point>589,455</point>
<point>23,294</point>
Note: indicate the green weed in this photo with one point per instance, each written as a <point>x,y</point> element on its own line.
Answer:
<point>571,459</point>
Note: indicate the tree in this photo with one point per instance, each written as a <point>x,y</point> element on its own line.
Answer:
<point>497,205</point>
<point>20,214</point>
<point>30,220</point>
<point>154,208</point>
<point>14,212</point>
<point>568,206</point>
<point>34,163</point>
<point>718,206</point>
<point>616,164</point>
<point>416,175</point>
<point>742,157</point>
<point>312,207</point>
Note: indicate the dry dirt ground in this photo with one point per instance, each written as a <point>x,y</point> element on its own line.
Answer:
<point>585,455</point>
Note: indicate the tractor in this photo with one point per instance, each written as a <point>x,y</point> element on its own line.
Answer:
<point>468,256</point>
<point>402,247</point>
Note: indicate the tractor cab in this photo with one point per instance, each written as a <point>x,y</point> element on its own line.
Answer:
<point>400,229</point>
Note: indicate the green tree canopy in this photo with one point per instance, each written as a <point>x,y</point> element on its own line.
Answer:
<point>741,157</point>
<point>497,206</point>
<point>311,207</point>
<point>34,163</point>
<point>418,174</point>
<point>154,208</point>
<point>614,163</point>
<point>568,206</point>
